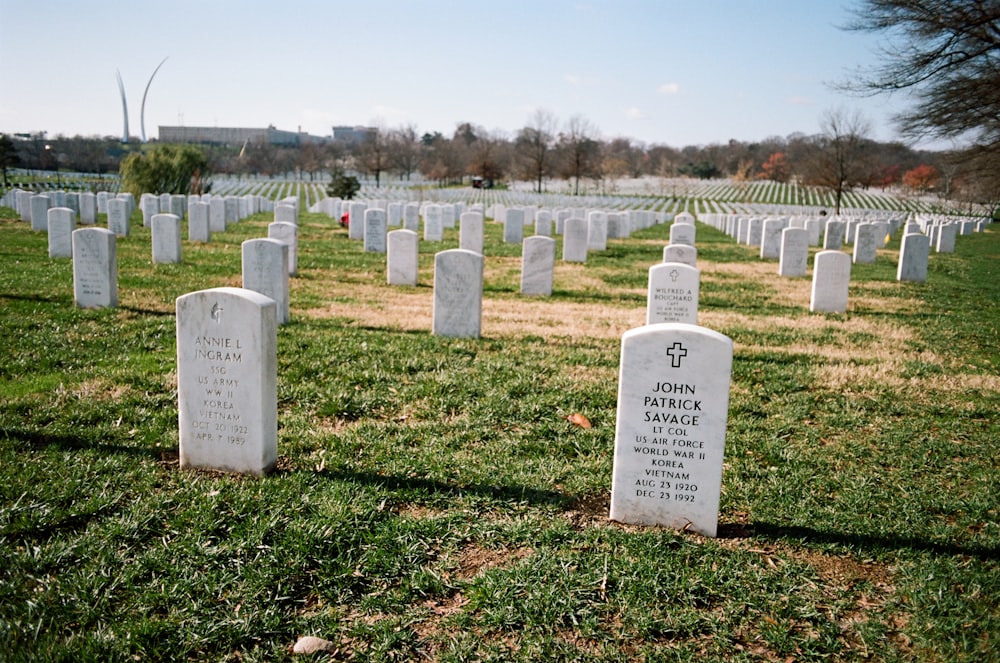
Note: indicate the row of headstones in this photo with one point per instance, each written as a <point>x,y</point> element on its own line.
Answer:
<point>94,250</point>
<point>438,217</point>
<point>789,239</point>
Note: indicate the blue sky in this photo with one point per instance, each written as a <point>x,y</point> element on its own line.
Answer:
<point>671,72</point>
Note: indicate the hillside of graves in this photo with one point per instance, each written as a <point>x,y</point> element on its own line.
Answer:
<point>446,497</point>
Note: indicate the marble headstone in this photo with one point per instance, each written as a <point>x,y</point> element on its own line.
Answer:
<point>458,294</point>
<point>227,405</point>
<point>914,251</point>
<point>95,268</point>
<point>166,238</point>
<point>375,230</point>
<point>538,256</point>
<point>831,278</point>
<point>402,257</point>
<point>62,223</point>
<point>673,402</point>
<point>672,293</point>
<point>265,270</point>
<point>286,232</point>
<point>470,232</point>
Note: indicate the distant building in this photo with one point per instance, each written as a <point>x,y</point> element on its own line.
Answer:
<point>351,135</point>
<point>236,136</point>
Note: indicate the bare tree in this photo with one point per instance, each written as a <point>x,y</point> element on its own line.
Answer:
<point>373,154</point>
<point>838,160</point>
<point>533,146</point>
<point>404,150</point>
<point>946,53</point>
<point>580,150</point>
<point>489,154</point>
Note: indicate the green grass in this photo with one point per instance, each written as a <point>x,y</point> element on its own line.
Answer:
<point>432,502</point>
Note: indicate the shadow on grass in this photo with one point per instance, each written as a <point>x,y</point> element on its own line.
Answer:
<point>39,439</point>
<point>865,542</point>
<point>433,488</point>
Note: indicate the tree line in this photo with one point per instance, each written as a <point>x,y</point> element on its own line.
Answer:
<point>551,155</point>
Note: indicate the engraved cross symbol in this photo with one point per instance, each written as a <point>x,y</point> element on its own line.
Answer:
<point>681,352</point>
<point>673,275</point>
<point>217,313</point>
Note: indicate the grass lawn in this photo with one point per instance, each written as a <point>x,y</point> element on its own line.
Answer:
<point>433,502</point>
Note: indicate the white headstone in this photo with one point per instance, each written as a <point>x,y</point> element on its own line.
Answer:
<point>149,205</point>
<point>794,257</point>
<point>227,370</point>
<point>178,205</point>
<point>118,221</point>
<point>470,232</point>
<point>682,253</point>
<point>458,294</point>
<point>265,270</point>
<point>538,257</point>
<point>433,224</point>
<point>543,223</point>
<point>289,234</point>
<point>287,213</point>
<point>199,227</point>
<point>448,216</point>
<point>166,231</point>
<point>946,238</point>
<point>513,226</point>
<point>597,231</point>
<point>673,402</point>
<point>95,268</point>
<point>40,212</point>
<point>914,251</point>
<point>682,233</point>
<point>831,278</point>
<point>834,237</point>
<point>356,225</point>
<point>755,231</point>
<point>402,257</point>
<point>411,217</point>
<point>575,240</point>
<point>866,243</point>
<point>672,293</point>
<point>394,214</point>
<point>375,230</point>
<point>770,242</point>
<point>88,209</point>
<point>62,223</point>
<point>217,214</point>
<point>232,206</point>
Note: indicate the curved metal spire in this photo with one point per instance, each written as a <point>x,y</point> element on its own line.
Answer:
<point>121,89</point>
<point>142,109</point>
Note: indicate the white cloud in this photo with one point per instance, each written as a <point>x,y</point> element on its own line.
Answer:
<point>634,113</point>
<point>573,79</point>
<point>669,88</point>
<point>801,101</point>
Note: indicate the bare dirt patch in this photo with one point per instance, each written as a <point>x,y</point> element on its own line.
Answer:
<point>474,560</point>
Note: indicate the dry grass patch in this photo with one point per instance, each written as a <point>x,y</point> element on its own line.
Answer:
<point>412,310</point>
<point>785,291</point>
<point>96,389</point>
